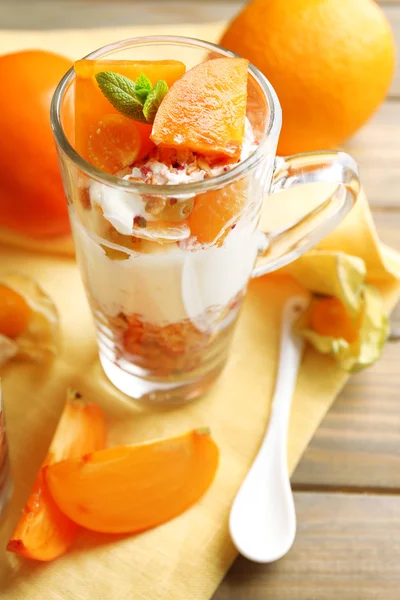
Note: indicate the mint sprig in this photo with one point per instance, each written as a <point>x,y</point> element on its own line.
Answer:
<point>142,88</point>
<point>137,100</point>
<point>154,99</point>
<point>120,91</point>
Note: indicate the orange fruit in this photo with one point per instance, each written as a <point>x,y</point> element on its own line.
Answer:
<point>330,61</point>
<point>329,317</point>
<point>107,142</point>
<point>114,142</point>
<point>43,531</point>
<point>132,488</point>
<point>14,312</point>
<point>32,199</point>
<point>215,212</point>
<point>204,111</point>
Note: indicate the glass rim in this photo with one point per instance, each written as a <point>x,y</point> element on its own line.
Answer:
<point>178,190</point>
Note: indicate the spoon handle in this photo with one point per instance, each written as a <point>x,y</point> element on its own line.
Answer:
<point>290,353</point>
<point>262,521</point>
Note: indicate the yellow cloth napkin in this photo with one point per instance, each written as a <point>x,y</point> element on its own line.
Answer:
<point>187,557</point>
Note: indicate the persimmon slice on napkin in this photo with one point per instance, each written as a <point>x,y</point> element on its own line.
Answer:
<point>44,532</point>
<point>132,488</point>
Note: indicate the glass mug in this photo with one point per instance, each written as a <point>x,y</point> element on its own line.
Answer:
<point>5,475</point>
<point>165,312</point>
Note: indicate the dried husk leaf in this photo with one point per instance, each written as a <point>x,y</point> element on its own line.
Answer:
<point>332,274</point>
<point>8,349</point>
<point>40,340</point>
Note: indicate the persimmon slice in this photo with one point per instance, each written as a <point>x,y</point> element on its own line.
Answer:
<point>43,531</point>
<point>133,488</point>
<point>91,106</point>
<point>114,142</point>
<point>204,111</point>
<point>215,212</point>
<point>169,70</point>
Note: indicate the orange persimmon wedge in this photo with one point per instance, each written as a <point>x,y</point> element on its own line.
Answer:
<point>44,532</point>
<point>204,111</point>
<point>93,127</point>
<point>215,212</point>
<point>132,488</point>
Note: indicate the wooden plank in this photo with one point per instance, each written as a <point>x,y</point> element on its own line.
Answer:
<point>357,445</point>
<point>346,544</point>
<point>388,225</point>
<point>392,11</point>
<point>376,147</point>
<point>66,14</point>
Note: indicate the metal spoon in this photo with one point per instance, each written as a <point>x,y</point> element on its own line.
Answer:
<point>263,520</point>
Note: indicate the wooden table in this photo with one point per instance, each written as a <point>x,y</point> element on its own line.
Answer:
<point>347,486</point>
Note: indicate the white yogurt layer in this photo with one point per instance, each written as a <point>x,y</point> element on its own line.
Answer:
<point>171,285</point>
<point>119,208</point>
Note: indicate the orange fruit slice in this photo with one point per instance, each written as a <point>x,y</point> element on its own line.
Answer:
<point>204,111</point>
<point>44,532</point>
<point>133,488</point>
<point>215,212</point>
<point>14,312</point>
<point>93,111</point>
<point>114,142</point>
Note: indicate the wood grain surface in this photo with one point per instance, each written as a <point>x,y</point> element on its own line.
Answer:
<point>357,446</point>
<point>347,547</point>
<point>376,147</point>
<point>348,482</point>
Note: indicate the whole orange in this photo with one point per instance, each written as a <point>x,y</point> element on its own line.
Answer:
<point>330,61</point>
<point>32,199</point>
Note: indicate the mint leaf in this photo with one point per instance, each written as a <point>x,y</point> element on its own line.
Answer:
<point>120,92</point>
<point>135,100</point>
<point>154,99</point>
<point>142,88</point>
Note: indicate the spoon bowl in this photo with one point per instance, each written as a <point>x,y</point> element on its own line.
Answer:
<point>262,521</point>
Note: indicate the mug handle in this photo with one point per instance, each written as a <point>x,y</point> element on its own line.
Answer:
<point>282,246</point>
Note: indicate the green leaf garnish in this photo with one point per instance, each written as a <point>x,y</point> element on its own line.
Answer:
<point>154,99</point>
<point>136,100</point>
<point>120,92</point>
<point>142,88</point>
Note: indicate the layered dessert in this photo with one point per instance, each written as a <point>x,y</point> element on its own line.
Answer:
<point>167,248</point>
